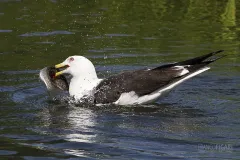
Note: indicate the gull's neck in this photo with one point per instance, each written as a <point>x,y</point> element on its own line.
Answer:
<point>83,85</point>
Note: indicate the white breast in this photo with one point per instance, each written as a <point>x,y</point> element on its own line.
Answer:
<point>82,87</point>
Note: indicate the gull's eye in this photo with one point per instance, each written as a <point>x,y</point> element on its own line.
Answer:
<point>71,59</point>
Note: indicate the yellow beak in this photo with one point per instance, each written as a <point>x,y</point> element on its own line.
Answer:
<point>58,73</point>
<point>59,66</point>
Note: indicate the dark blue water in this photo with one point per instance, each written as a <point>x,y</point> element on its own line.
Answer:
<point>197,120</point>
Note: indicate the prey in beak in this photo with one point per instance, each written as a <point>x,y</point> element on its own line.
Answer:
<point>53,84</point>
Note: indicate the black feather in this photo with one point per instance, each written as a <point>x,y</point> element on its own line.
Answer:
<point>144,82</point>
<point>198,60</point>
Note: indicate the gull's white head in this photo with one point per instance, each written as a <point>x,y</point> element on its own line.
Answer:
<point>78,67</point>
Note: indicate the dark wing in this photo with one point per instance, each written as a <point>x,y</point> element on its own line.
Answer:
<point>143,82</point>
<point>194,61</point>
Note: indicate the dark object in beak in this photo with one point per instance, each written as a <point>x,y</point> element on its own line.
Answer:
<point>59,81</point>
<point>53,84</point>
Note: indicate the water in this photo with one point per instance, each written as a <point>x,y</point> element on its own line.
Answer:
<point>198,120</point>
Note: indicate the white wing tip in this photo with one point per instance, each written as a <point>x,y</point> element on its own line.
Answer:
<point>184,71</point>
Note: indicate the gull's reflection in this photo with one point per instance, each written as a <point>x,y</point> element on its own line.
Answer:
<point>81,120</point>
<point>72,125</point>
<point>84,131</point>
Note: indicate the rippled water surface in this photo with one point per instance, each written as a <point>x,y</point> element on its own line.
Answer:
<point>198,120</point>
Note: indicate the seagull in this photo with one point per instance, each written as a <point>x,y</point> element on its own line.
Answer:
<point>131,87</point>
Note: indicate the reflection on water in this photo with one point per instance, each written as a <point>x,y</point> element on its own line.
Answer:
<point>74,119</point>
<point>196,120</point>
<point>45,33</point>
<point>82,128</point>
<point>70,124</point>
